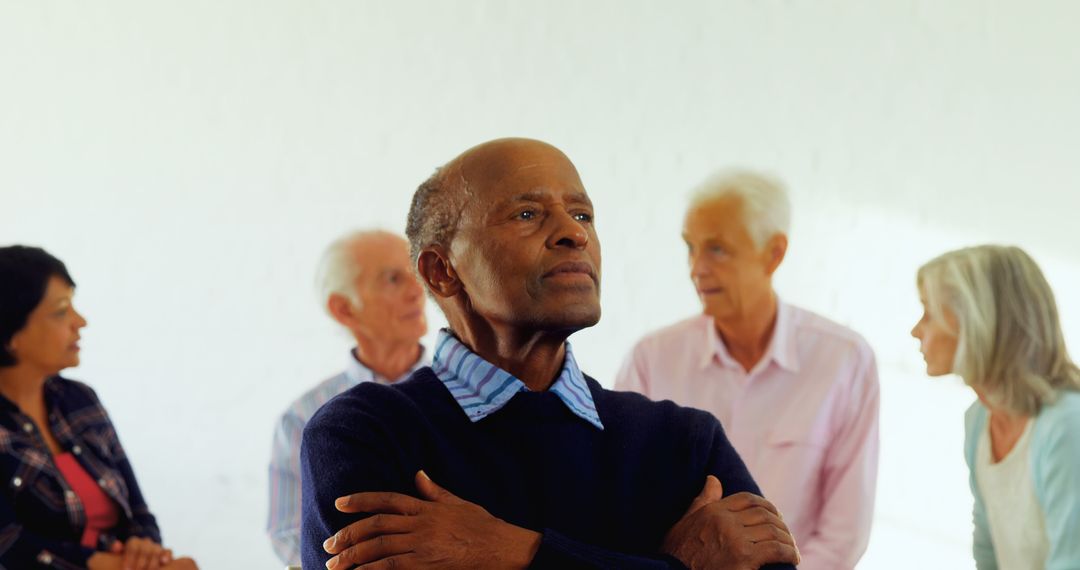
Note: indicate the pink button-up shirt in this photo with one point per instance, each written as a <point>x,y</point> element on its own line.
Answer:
<point>805,419</point>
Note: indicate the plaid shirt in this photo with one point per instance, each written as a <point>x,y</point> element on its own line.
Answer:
<point>41,518</point>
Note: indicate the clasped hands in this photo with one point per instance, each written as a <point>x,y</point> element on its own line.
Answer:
<point>138,554</point>
<point>441,530</point>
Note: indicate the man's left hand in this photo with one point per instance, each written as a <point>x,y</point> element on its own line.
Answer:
<point>438,531</point>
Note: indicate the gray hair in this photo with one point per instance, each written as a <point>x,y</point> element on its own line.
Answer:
<point>338,268</point>
<point>433,214</point>
<point>766,208</point>
<point>1010,345</point>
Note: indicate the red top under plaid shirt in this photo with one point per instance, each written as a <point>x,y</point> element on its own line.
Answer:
<point>41,518</point>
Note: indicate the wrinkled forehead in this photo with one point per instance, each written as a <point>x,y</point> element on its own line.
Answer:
<point>379,251</point>
<point>493,173</point>
<point>721,217</point>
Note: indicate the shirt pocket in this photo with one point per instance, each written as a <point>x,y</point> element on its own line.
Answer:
<point>797,451</point>
<point>798,436</point>
<point>28,483</point>
<point>100,441</point>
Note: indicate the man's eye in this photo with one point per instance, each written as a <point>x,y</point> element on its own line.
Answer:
<point>527,215</point>
<point>583,217</point>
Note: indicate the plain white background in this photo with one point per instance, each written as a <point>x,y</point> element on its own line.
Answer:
<point>189,160</point>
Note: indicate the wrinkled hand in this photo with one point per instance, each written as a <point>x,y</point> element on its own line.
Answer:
<point>740,532</point>
<point>181,564</point>
<point>141,554</point>
<point>115,561</point>
<point>438,531</point>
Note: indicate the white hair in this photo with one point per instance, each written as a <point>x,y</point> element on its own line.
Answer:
<point>766,208</point>
<point>1010,345</point>
<point>338,268</point>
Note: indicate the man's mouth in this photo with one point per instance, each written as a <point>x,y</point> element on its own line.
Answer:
<point>571,270</point>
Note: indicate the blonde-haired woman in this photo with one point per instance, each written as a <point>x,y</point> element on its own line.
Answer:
<point>990,317</point>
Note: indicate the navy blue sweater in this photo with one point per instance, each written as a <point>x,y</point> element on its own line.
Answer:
<point>602,499</point>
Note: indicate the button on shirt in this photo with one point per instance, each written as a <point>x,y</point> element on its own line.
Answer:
<point>804,419</point>
<point>283,523</point>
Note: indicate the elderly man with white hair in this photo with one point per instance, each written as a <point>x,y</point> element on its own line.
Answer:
<point>796,393</point>
<point>367,284</point>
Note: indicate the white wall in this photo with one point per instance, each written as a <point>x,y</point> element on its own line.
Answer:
<point>189,160</point>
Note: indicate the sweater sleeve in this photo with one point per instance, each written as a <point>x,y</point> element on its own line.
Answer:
<point>725,463</point>
<point>1057,470</point>
<point>344,450</point>
<point>982,545</point>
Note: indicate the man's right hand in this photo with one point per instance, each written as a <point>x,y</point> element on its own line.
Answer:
<point>740,532</point>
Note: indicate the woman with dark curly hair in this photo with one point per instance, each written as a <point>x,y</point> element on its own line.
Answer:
<point>70,498</point>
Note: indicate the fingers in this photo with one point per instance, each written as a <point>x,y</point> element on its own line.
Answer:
<point>150,558</point>
<point>391,563</point>
<point>131,553</point>
<point>759,516</point>
<point>432,492</point>
<point>166,556</point>
<point>367,529</point>
<point>712,491</point>
<point>769,533</point>
<point>181,564</point>
<point>382,502</point>
<point>743,501</point>
<point>774,552</point>
<point>141,554</point>
<point>375,549</point>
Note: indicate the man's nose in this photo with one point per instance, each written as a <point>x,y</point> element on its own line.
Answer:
<point>567,231</point>
<point>698,267</point>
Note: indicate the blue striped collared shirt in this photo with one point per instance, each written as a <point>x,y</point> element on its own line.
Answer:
<point>481,388</point>
<point>283,524</point>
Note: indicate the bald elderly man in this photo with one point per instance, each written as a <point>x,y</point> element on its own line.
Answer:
<point>797,393</point>
<point>503,454</point>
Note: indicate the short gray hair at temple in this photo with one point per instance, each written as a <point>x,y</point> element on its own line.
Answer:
<point>338,268</point>
<point>1010,345</point>
<point>766,208</point>
<point>433,215</point>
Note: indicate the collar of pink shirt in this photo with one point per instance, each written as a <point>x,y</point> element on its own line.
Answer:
<point>782,347</point>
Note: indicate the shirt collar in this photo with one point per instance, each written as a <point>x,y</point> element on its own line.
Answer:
<point>481,388</point>
<point>782,346</point>
<point>356,372</point>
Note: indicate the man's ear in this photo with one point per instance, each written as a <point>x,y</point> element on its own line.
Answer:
<point>341,309</point>
<point>775,250</point>
<point>437,272</point>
